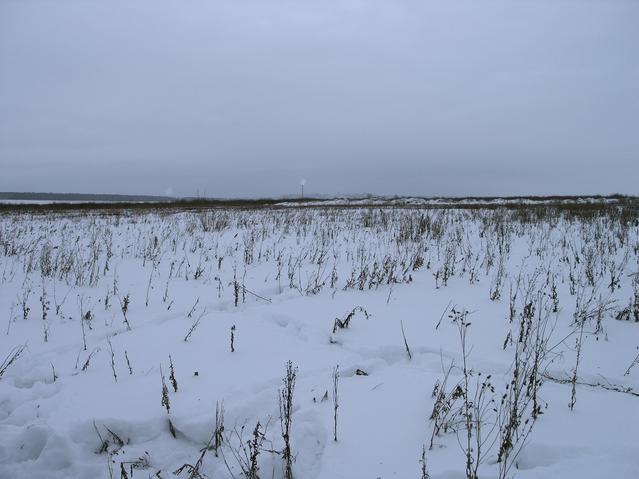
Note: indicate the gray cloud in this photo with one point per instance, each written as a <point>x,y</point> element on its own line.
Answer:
<point>246,97</point>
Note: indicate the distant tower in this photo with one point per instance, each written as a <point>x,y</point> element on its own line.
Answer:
<point>302,183</point>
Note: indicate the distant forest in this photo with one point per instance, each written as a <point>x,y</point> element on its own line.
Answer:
<point>80,197</point>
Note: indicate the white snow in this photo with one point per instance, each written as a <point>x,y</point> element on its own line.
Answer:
<point>390,262</point>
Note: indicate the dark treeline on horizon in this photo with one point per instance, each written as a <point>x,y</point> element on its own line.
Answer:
<point>79,197</point>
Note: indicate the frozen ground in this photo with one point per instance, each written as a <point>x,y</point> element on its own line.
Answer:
<point>456,202</point>
<point>103,304</point>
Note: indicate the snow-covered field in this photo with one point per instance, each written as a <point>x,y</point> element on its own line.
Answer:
<point>457,202</point>
<point>491,343</point>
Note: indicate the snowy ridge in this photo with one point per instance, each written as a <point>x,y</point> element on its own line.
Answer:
<point>478,201</point>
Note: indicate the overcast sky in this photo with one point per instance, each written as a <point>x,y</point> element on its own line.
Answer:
<point>247,97</point>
